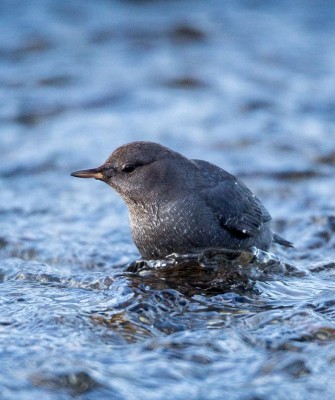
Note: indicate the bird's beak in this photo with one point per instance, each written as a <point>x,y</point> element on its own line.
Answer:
<point>95,173</point>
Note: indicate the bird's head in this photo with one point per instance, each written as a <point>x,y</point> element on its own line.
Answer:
<point>138,171</point>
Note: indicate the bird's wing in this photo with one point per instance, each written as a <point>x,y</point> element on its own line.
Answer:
<point>233,204</point>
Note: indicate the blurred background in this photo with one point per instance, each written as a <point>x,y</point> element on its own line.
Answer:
<point>246,84</point>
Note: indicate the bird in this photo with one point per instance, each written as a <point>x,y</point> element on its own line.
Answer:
<point>182,205</point>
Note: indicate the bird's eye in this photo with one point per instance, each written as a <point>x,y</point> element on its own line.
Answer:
<point>128,168</point>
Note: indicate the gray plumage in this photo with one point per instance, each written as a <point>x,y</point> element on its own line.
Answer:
<point>179,205</point>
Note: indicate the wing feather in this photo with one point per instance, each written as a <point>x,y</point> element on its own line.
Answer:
<point>236,208</point>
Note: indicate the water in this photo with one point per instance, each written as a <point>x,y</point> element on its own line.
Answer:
<point>248,85</point>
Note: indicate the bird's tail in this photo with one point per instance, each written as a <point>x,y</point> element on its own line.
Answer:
<point>278,239</point>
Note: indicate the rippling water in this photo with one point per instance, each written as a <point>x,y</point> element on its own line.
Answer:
<point>248,85</point>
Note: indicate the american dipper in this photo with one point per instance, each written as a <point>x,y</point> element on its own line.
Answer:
<point>177,205</point>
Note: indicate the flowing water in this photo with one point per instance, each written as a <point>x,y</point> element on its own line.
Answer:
<point>248,85</point>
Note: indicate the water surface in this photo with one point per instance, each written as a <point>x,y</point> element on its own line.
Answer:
<point>247,85</point>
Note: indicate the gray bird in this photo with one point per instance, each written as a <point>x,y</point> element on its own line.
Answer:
<point>177,205</point>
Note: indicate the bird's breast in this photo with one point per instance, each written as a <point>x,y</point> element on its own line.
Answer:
<point>175,226</point>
